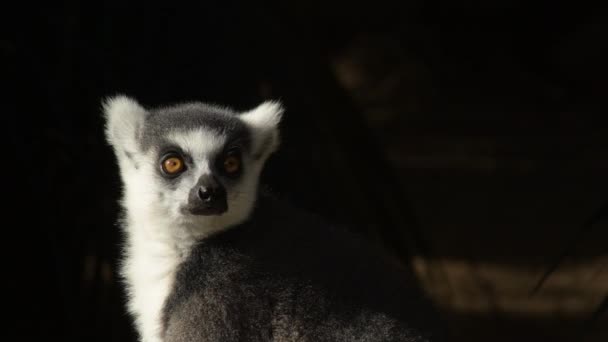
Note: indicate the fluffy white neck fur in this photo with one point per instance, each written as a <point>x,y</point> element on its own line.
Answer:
<point>155,247</point>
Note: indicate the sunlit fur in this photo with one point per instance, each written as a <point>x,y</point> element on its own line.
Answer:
<point>159,234</point>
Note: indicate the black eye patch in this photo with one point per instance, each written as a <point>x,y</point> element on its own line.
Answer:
<point>172,161</point>
<point>172,165</point>
<point>230,162</point>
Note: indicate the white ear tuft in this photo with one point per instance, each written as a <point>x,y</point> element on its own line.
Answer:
<point>265,116</point>
<point>264,122</point>
<point>124,120</point>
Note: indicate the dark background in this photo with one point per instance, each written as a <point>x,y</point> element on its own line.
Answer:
<point>467,137</point>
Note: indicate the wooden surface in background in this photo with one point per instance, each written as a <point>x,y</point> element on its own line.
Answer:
<point>511,200</point>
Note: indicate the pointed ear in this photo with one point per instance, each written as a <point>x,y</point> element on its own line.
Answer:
<point>263,122</point>
<point>124,121</point>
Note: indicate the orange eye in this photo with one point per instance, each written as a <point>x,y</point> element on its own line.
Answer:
<point>173,165</point>
<point>232,164</point>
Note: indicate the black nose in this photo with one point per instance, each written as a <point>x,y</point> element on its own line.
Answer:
<point>207,198</point>
<point>207,195</point>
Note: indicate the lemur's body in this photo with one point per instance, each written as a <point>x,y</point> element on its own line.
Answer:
<point>208,258</point>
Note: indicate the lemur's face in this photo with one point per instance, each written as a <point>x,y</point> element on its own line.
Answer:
<point>192,163</point>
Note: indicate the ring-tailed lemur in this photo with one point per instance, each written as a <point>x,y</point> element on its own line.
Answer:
<point>209,258</point>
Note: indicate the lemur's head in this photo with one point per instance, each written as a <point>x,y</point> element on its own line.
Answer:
<point>191,163</point>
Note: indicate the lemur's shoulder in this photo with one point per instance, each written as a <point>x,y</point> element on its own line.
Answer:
<point>284,260</point>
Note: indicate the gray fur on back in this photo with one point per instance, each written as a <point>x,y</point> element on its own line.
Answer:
<point>286,276</point>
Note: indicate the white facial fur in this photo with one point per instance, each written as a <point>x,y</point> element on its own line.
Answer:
<point>159,233</point>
